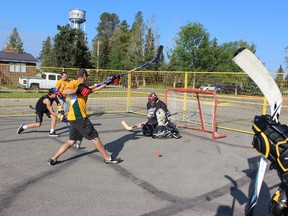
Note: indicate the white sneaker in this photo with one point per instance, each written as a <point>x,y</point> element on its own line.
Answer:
<point>53,134</point>
<point>20,129</point>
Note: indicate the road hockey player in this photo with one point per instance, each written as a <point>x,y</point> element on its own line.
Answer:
<point>80,124</point>
<point>44,106</point>
<point>60,86</point>
<point>271,140</point>
<point>158,124</point>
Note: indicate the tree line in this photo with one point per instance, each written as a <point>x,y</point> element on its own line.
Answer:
<point>118,46</point>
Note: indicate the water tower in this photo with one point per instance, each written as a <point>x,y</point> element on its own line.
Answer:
<point>77,17</point>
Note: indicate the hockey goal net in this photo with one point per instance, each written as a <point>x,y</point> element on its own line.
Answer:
<point>194,109</point>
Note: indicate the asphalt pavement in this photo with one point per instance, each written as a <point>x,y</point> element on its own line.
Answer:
<point>193,175</point>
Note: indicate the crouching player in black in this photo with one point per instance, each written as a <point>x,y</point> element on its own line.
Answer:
<point>158,124</point>
<point>271,140</point>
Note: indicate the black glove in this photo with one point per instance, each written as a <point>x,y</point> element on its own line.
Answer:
<point>113,79</point>
<point>60,96</point>
<point>83,90</point>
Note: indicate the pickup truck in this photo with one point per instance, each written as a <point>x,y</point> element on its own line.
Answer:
<point>212,87</point>
<point>44,80</point>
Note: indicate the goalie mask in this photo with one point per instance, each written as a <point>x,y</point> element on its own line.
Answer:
<point>152,98</point>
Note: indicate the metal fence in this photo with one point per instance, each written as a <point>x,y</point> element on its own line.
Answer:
<point>236,106</point>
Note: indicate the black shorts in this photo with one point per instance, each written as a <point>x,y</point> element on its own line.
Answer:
<point>82,128</point>
<point>39,116</point>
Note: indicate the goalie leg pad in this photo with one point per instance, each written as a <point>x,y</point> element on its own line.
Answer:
<point>147,129</point>
<point>165,132</point>
<point>161,117</point>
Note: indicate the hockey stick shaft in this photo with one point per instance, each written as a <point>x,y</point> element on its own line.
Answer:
<point>130,128</point>
<point>160,49</point>
<point>249,63</point>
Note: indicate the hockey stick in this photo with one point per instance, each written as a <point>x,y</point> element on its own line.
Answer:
<point>251,65</point>
<point>155,59</point>
<point>130,128</point>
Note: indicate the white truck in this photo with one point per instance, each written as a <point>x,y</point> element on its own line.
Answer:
<point>45,80</point>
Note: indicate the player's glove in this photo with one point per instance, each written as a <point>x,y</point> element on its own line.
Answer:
<point>60,96</point>
<point>113,79</point>
<point>64,118</point>
<point>83,90</point>
<point>60,110</point>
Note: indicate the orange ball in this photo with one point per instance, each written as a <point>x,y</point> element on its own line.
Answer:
<point>158,154</point>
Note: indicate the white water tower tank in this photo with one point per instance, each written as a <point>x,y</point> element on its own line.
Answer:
<point>77,17</point>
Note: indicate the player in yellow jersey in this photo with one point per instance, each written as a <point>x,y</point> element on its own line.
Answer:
<point>80,125</point>
<point>60,86</point>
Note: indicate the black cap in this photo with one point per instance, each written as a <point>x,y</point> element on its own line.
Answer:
<point>53,91</point>
<point>81,72</point>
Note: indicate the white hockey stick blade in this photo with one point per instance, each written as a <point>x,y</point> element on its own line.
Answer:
<point>251,65</point>
<point>254,68</point>
<point>130,128</point>
<point>127,127</point>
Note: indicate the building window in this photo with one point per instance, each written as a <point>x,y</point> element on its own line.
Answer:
<point>17,67</point>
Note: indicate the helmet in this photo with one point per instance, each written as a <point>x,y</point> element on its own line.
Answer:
<point>152,97</point>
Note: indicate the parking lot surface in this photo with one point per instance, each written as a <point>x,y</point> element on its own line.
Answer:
<point>194,175</point>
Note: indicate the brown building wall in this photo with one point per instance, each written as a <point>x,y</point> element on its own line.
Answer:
<point>7,77</point>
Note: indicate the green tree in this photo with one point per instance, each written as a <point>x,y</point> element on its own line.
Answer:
<point>192,42</point>
<point>70,48</point>
<point>225,55</point>
<point>101,44</point>
<point>136,44</point>
<point>119,45</point>
<point>279,79</point>
<point>46,54</point>
<point>15,41</point>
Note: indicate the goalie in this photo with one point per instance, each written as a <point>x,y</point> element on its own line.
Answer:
<point>158,124</point>
<point>271,140</point>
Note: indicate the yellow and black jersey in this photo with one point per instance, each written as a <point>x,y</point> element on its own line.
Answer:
<point>78,102</point>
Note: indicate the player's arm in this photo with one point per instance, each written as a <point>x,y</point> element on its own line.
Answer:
<point>48,104</point>
<point>97,88</point>
<point>69,91</point>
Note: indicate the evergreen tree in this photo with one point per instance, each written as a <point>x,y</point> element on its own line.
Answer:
<point>46,54</point>
<point>70,48</point>
<point>279,79</point>
<point>101,44</point>
<point>119,44</point>
<point>15,41</point>
<point>136,44</point>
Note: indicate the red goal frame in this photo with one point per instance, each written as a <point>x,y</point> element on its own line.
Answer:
<point>195,94</point>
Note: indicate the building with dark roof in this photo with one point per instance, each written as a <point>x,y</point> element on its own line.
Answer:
<point>14,64</point>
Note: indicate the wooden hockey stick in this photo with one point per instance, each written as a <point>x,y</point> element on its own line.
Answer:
<point>32,107</point>
<point>130,128</point>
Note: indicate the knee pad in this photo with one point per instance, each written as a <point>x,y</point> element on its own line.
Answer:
<point>164,132</point>
<point>147,129</point>
<point>159,132</point>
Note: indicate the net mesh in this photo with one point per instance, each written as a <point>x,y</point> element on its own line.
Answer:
<point>193,109</point>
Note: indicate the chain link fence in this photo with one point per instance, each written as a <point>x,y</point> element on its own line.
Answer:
<point>239,99</point>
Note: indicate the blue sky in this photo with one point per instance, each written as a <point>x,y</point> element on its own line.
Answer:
<point>262,22</point>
